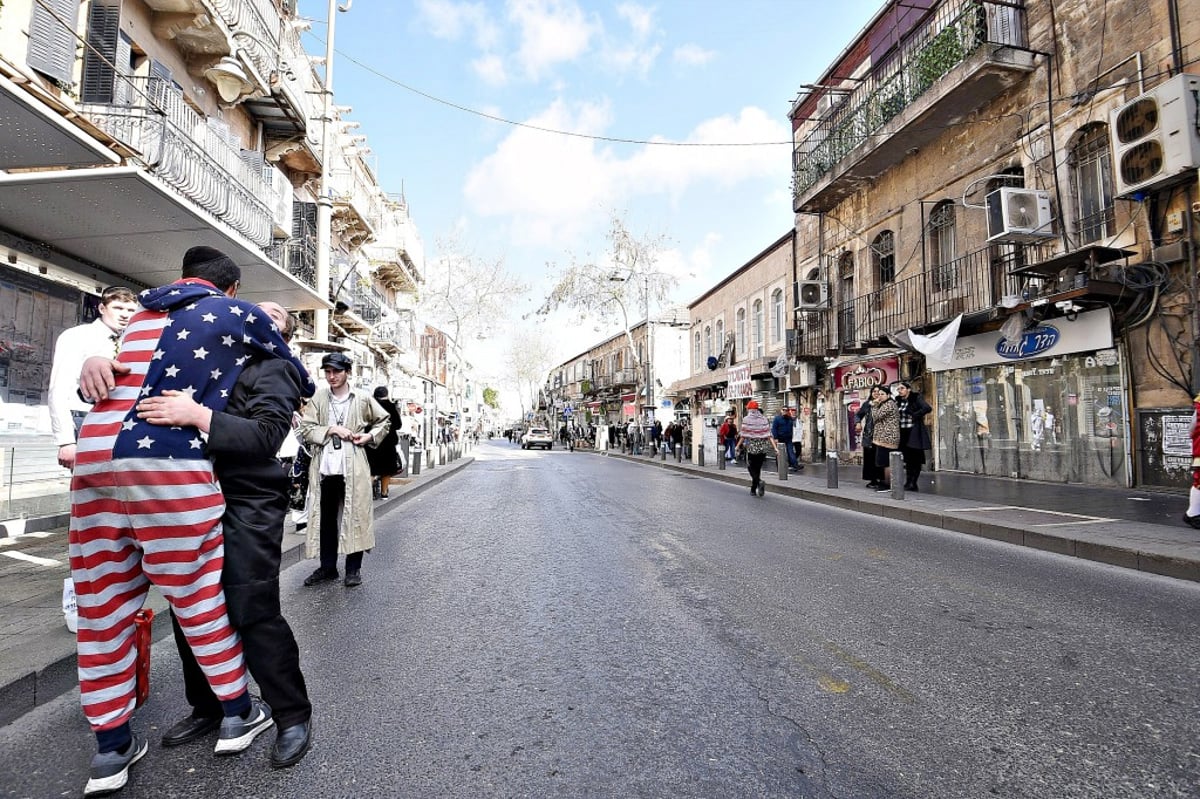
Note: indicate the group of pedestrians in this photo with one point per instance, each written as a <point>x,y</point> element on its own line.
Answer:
<point>886,425</point>
<point>173,405</point>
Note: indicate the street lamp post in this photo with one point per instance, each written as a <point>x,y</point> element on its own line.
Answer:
<point>324,200</point>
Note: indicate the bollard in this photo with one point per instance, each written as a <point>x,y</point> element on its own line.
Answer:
<point>831,470</point>
<point>720,461</point>
<point>781,459</point>
<point>664,452</point>
<point>700,455</point>
<point>406,450</point>
<point>897,466</point>
<point>415,463</point>
<point>679,453</point>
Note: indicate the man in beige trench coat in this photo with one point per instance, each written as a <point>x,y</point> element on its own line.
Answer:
<point>337,424</point>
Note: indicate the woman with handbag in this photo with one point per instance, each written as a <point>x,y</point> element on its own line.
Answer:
<point>756,439</point>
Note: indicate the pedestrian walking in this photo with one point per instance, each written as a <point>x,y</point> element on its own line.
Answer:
<point>75,345</point>
<point>755,436</point>
<point>243,442</point>
<point>885,433</point>
<point>338,424</point>
<point>191,336</point>
<point>914,435</point>
<point>384,459</point>
<point>727,435</point>
<point>782,427</point>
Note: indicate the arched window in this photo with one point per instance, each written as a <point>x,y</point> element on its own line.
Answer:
<point>696,354</point>
<point>708,348</point>
<point>942,246</point>
<point>720,337</point>
<point>883,257</point>
<point>757,329</point>
<point>776,316</point>
<point>1090,162</point>
<point>740,335</point>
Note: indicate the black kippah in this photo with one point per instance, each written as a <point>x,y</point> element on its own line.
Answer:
<point>201,255</point>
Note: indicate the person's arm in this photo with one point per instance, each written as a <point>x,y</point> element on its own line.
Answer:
<point>312,430</point>
<point>64,379</point>
<point>257,431</point>
<point>377,424</point>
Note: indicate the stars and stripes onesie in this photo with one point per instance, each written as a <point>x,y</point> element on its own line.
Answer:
<point>145,506</point>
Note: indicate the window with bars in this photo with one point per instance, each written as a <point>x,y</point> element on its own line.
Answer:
<point>1090,163</point>
<point>942,246</point>
<point>883,257</point>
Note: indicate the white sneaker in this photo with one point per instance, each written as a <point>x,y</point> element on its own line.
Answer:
<point>237,733</point>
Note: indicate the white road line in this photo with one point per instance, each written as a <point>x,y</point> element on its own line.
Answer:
<point>13,539</point>
<point>31,559</point>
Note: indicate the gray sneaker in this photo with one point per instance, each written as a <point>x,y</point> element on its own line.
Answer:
<point>237,733</point>
<point>110,770</point>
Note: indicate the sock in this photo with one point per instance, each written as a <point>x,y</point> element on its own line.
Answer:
<point>238,706</point>
<point>1194,502</point>
<point>115,739</point>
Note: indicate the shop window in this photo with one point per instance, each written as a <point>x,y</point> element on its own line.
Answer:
<point>1090,163</point>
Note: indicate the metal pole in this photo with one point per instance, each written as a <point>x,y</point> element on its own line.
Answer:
<point>781,460</point>
<point>897,466</point>
<point>700,455</point>
<point>720,460</point>
<point>831,470</point>
<point>324,200</point>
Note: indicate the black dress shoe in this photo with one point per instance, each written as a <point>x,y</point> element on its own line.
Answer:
<point>291,744</point>
<point>353,579</point>
<point>320,576</point>
<point>189,729</point>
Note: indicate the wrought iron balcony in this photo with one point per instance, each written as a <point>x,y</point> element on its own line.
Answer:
<point>972,285</point>
<point>298,257</point>
<point>197,156</point>
<point>966,52</point>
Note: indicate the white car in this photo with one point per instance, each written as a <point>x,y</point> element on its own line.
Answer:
<point>537,437</point>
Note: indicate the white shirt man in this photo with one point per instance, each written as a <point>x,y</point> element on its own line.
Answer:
<point>74,346</point>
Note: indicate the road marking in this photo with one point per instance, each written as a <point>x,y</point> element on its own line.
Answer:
<point>34,559</point>
<point>1082,518</point>
<point>10,540</point>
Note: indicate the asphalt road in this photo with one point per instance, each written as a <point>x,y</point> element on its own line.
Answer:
<point>566,625</point>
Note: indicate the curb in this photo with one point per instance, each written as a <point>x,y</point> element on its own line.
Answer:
<point>48,682</point>
<point>1126,557</point>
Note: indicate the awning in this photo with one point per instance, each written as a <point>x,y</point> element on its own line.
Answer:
<point>34,135</point>
<point>130,223</point>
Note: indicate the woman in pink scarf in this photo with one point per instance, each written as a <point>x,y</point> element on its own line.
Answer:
<point>756,437</point>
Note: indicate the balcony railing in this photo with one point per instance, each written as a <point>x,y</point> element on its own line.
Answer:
<point>973,284</point>
<point>955,30</point>
<point>367,303</point>
<point>298,257</point>
<point>260,20</point>
<point>198,157</point>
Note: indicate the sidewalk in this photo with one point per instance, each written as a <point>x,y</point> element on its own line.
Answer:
<point>1130,528</point>
<point>37,651</point>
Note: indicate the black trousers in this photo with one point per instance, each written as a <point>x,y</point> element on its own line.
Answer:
<point>253,539</point>
<point>333,497</point>
<point>755,463</point>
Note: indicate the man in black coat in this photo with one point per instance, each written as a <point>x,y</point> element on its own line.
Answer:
<point>243,441</point>
<point>914,435</point>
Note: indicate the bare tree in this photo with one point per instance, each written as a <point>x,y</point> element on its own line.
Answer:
<point>530,356</point>
<point>467,294</point>
<point>620,287</point>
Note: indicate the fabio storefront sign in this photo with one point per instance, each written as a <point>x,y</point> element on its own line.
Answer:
<point>859,376</point>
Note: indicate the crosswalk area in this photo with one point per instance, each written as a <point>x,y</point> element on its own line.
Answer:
<point>40,550</point>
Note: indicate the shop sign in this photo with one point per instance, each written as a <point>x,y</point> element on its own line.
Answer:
<point>856,377</point>
<point>738,378</point>
<point>1089,331</point>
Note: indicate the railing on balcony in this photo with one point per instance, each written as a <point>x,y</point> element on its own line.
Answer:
<point>352,187</point>
<point>261,21</point>
<point>196,156</point>
<point>973,284</point>
<point>955,30</point>
<point>367,303</point>
<point>391,334</point>
<point>298,257</point>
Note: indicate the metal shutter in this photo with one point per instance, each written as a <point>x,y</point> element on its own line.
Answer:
<point>51,42</point>
<point>104,37</point>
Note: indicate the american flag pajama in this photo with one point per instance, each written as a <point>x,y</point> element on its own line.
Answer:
<point>145,506</point>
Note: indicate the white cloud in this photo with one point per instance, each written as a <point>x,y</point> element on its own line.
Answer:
<point>551,32</point>
<point>490,69</point>
<point>692,55</point>
<point>453,21</point>
<point>640,19</point>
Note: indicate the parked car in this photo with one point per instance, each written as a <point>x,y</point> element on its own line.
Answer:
<point>537,437</point>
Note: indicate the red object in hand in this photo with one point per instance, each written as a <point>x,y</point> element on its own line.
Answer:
<point>143,622</point>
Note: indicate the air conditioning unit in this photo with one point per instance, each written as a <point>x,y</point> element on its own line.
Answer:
<point>812,294</point>
<point>802,375</point>
<point>1155,140</point>
<point>1019,215</point>
<point>763,385</point>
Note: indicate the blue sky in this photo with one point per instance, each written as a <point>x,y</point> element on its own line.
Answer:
<point>701,71</point>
